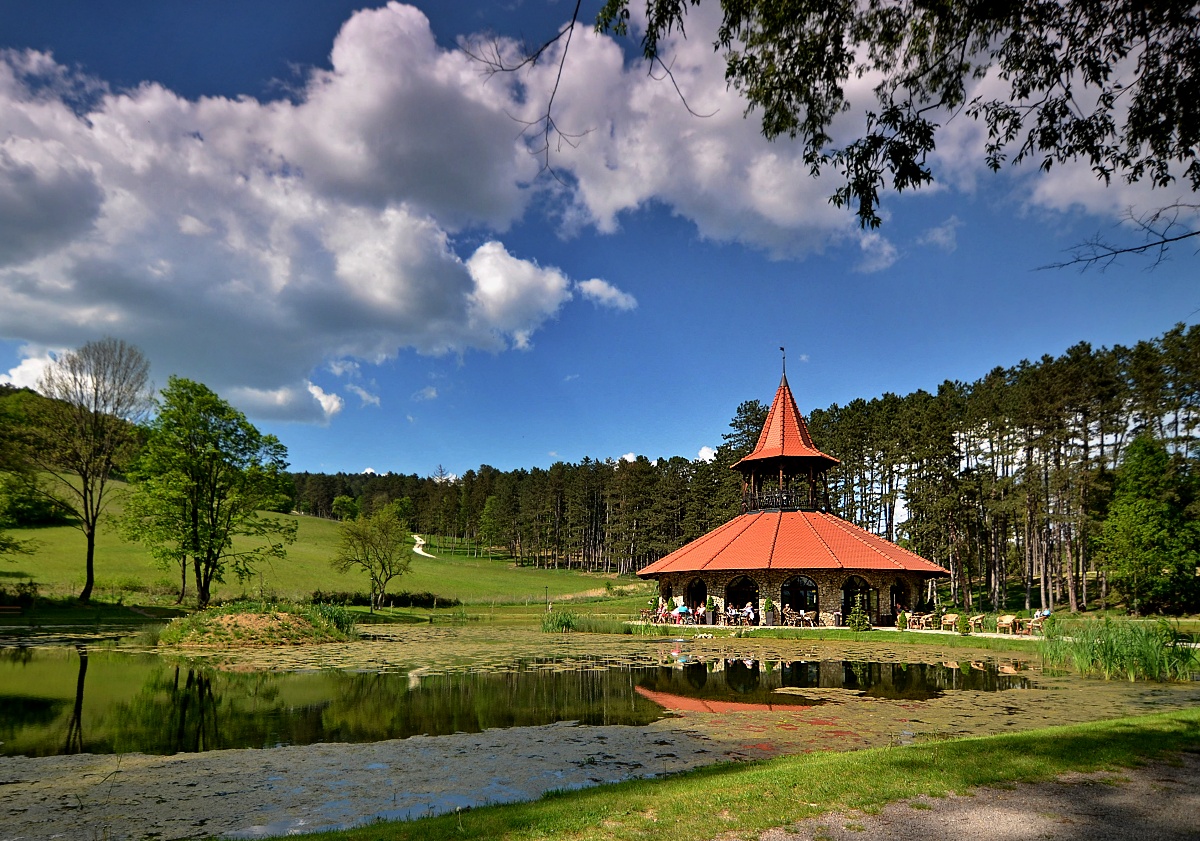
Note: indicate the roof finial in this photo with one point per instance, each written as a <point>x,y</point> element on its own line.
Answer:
<point>781,350</point>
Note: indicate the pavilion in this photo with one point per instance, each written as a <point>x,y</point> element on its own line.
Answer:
<point>787,546</point>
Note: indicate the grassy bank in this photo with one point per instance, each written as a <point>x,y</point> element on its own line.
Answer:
<point>747,799</point>
<point>126,573</point>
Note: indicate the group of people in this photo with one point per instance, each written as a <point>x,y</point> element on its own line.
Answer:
<point>683,614</point>
<point>735,616</point>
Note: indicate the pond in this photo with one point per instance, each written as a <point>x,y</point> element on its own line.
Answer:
<point>81,697</point>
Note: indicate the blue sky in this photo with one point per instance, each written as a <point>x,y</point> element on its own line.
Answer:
<point>331,217</point>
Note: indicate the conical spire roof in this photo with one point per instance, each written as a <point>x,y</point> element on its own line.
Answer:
<point>785,435</point>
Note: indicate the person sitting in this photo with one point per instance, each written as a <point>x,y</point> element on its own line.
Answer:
<point>700,614</point>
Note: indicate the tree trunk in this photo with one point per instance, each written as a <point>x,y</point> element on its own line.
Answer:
<point>90,575</point>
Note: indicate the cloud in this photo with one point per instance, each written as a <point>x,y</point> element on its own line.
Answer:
<point>427,393</point>
<point>570,377</point>
<point>943,236</point>
<point>367,398</point>
<point>513,297</point>
<point>706,454</point>
<point>368,471</point>
<point>605,294</point>
<point>248,244</point>
<point>29,370</point>
<point>630,457</point>
<point>308,403</point>
<point>878,253</point>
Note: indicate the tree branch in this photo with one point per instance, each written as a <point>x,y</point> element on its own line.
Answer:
<point>1158,227</point>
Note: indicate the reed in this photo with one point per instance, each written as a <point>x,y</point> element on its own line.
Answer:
<point>1121,649</point>
<point>560,621</point>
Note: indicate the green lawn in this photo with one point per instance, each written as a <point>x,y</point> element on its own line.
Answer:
<point>125,570</point>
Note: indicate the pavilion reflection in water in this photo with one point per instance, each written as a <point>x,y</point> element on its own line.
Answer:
<point>743,685</point>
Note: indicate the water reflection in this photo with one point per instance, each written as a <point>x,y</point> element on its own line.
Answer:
<point>72,700</point>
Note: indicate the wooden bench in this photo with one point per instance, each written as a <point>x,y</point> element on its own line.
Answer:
<point>10,610</point>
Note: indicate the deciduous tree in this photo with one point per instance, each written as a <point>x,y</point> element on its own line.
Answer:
<point>380,545</point>
<point>87,430</point>
<point>204,479</point>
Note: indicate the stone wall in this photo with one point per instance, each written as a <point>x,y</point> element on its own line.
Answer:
<point>829,589</point>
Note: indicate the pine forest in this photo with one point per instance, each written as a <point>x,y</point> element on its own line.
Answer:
<point>1016,483</point>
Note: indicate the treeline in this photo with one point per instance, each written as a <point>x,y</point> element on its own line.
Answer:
<point>1005,481</point>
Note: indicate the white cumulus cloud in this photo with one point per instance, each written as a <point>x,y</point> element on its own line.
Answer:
<point>605,294</point>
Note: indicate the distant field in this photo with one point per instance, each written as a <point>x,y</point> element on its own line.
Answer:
<point>125,570</point>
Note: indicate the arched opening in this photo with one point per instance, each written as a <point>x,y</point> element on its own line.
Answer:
<point>742,591</point>
<point>853,589</point>
<point>665,593</point>
<point>799,593</point>
<point>899,597</point>
<point>696,593</point>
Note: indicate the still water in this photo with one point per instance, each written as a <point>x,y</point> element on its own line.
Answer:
<point>84,699</point>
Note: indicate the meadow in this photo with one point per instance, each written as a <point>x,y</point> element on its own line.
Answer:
<point>126,573</point>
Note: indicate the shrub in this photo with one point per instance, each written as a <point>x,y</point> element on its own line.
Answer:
<point>402,599</point>
<point>858,620</point>
<point>901,621</point>
<point>963,625</point>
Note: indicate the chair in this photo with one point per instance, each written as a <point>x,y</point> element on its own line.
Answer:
<point>950,620</point>
<point>1006,624</point>
<point>1037,624</point>
<point>976,623</point>
<point>790,617</point>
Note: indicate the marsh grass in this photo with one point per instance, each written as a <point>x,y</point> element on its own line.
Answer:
<point>560,621</point>
<point>742,800</point>
<point>1121,650</point>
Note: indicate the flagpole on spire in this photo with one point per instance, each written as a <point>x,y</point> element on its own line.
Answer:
<point>782,351</point>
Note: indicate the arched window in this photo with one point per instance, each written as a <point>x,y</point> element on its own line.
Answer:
<point>854,588</point>
<point>696,593</point>
<point>799,593</point>
<point>740,591</point>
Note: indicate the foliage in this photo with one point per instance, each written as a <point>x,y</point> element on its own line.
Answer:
<point>560,621</point>
<point>380,545</point>
<point>963,624</point>
<point>858,620</point>
<point>86,431</point>
<point>401,599</point>
<point>203,479</point>
<point>1109,83</point>
<point>1121,649</point>
<point>23,503</point>
<point>345,507</point>
<point>901,620</point>
<point>24,595</point>
<point>1150,540</point>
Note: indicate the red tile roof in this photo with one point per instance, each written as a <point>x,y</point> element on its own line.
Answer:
<point>790,540</point>
<point>785,434</point>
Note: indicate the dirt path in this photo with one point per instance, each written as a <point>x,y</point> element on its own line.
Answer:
<point>1157,802</point>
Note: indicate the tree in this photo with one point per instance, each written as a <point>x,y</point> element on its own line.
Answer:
<point>345,507</point>
<point>380,544</point>
<point>1150,541</point>
<point>1111,83</point>
<point>203,480</point>
<point>87,430</point>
